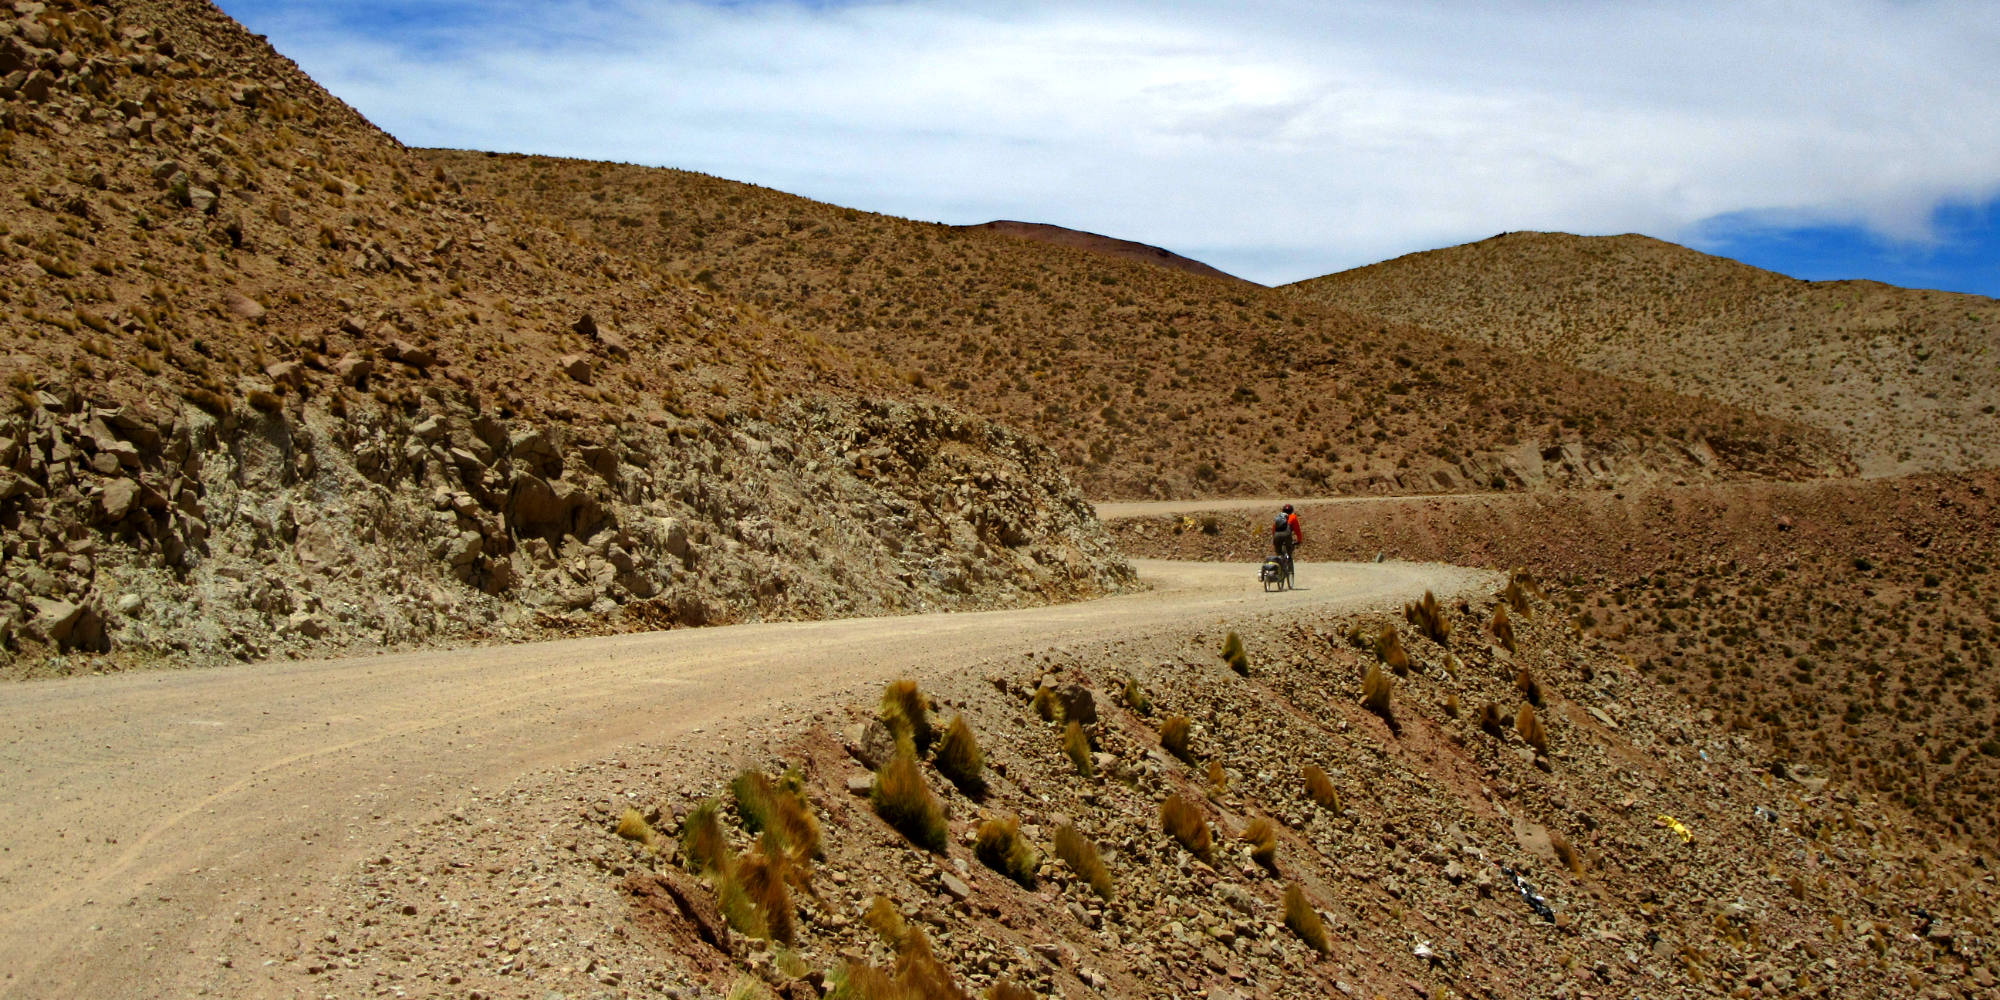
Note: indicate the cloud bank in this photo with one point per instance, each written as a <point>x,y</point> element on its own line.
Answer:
<point>1277,140</point>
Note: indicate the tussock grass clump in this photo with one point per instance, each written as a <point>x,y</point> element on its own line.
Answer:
<point>903,801</point>
<point>1218,779</point>
<point>886,921</point>
<point>1184,822</point>
<point>1451,705</point>
<point>1046,704</point>
<point>906,714</point>
<point>1080,854</point>
<point>1262,836</point>
<point>1376,688</point>
<point>1491,722</point>
<point>633,826</point>
<point>1304,920</point>
<point>1530,688</point>
<point>749,988</point>
<point>703,842</point>
<point>777,809</point>
<point>1000,846</point>
<point>1389,650</point>
<point>1529,725</point>
<point>1566,853</point>
<point>762,874</point>
<point>1076,746</point>
<point>960,760</point>
<point>1519,585</point>
<point>1503,628</point>
<point>1319,788</point>
<point>1428,618</point>
<point>1135,697</point>
<point>1235,655</point>
<point>1174,737</point>
<point>918,974</point>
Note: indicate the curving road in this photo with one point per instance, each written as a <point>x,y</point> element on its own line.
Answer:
<point>142,812</point>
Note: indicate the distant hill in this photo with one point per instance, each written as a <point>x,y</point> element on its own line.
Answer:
<point>1151,382</point>
<point>1907,380</point>
<point>1110,246</point>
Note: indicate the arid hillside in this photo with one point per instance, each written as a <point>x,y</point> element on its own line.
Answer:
<point>1150,382</point>
<point>276,385</point>
<point>1111,246</point>
<point>1906,380</point>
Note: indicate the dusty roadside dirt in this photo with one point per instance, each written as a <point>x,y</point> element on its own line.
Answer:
<point>159,827</point>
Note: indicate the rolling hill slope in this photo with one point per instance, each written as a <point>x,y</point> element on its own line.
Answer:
<point>1906,380</point>
<point>1150,382</point>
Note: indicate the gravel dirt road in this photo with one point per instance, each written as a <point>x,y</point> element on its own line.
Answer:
<point>152,820</point>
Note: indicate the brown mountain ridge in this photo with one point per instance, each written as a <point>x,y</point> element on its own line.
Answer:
<point>1906,379</point>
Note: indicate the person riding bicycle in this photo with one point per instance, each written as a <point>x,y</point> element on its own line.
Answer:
<point>1285,534</point>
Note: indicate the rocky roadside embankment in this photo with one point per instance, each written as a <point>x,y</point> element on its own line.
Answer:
<point>1453,860</point>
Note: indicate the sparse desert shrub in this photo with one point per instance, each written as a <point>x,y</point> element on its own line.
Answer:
<point>702,840</point>
<point>1080,854</point>
<point>1000,846</point>
<point>778,810</point>
<point>1503,628</point>
<point>1491,722</point>
<point>1304,920</point>
<point>1529,725</point>
<point>1174,737</point>
<point>906,714</point>
<point>1077,747</point>
<point>1235,655</point>
<point>1218,779</point>
<point>1135,697</point>
<point>1428,618</point>
<point>960,760</point>
<point>633,826</point>
<point>1262,836</point>
<point>1319,788</point>
<point>1389,649</point>
<point>906,803</point>
<point>754,805</point>
<point>1530,688</point>
<point>763,877</point>
<point>1184,822</point>
<point>1451,705</point>
<point>1375,690</point>
<point>886,921</point>
<point>1519,586</point>
<point>1566,852</point>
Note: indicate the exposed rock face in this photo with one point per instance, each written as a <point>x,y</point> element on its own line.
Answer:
<point>269,533</point>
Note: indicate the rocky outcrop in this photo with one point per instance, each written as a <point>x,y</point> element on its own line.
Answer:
<point>254,534</point>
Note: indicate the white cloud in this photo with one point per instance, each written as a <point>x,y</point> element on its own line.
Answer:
<point>1276,139</point>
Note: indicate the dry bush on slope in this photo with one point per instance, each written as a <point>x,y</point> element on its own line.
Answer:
<point>1428,618</point>
<point>1529,725</point>
<point>1376,687</point>
<point>1183,820</point>
<point>1262,836</point>
<point>959,758</point>
<point>1174,737</point>
<point>1304,920</point>
<point>1235,655</point>
<point>905,712</point>
<point>1319,788</point>
<point>1080,854</point>
<point>1076,746</point>
<point>1000,846</point>
<point>903,801</point>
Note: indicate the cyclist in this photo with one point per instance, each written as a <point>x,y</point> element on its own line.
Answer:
<point>1286,536</point>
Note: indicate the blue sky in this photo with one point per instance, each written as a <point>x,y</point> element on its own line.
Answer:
<point>1278,139</point>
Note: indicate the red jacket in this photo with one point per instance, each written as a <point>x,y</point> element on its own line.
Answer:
<point>1292,522</point>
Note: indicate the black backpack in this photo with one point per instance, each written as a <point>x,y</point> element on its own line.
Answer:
<point>1283,525</point>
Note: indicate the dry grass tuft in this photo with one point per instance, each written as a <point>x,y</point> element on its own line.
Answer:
<point>1183,821</point>
<point>1519,586</point>
<point>1566,853</point>
<point>762,874</point>
<point>778,809</point>
<point>903,801</point>
<point>702,840</point>
<point>1235,655</point>
<point>1304,920</point>
<point>749,988</point>
<point>1174,737</point>
<point>1529,725</point>
<point>1491,722</point>
<point>1262,836</point>
<point>960,760</point>
<point>1046,704</point>
<point>1218,779</point>
<point>886,921</point>
<point>906,714</point>
<point>1389,649</point>
<point>1319,788</point>
<point>1000,846</point>
<point>1080,854</point>
<point>1530,688</point>
<point>1428,618</point>
<point>1451,708</point>
<point>1135,697</point>
<point>633,826</point>
<point>918,974</point>
<point>1376,688</point>
<point>1503,628</point>
<point>755,804</point>
<point>1076,746</point>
